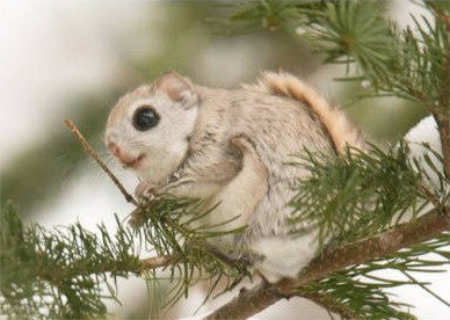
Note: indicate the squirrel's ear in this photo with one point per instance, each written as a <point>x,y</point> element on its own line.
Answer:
<point>177,88</point>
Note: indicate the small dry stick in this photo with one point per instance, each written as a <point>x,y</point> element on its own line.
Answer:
<point>87,147</point>
<point>157,262</point>
<point>148,263</point>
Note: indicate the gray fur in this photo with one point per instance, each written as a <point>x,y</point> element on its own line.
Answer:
<point>237,154</point>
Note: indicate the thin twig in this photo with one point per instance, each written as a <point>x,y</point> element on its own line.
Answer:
<point>444,16</point>
<point>430,196</point>
<point>87,147</point>
<point>157,262</point>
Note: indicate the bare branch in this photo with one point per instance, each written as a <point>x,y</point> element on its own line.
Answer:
<point>87,147</point>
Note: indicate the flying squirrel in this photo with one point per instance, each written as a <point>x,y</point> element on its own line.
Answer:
<point>232,148</point>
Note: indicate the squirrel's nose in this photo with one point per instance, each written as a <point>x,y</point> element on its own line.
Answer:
<point>127,159</point>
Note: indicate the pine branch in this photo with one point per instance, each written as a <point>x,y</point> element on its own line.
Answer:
<point>413,64</point>
<point>373,192</point>
<point>59,273</point>
<point>250,302</point>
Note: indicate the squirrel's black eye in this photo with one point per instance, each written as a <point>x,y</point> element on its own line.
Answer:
<point>145,118</point>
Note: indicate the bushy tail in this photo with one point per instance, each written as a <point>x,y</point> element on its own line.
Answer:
<point>340,129</point>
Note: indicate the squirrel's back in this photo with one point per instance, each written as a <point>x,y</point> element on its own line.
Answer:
<point>341,131</point>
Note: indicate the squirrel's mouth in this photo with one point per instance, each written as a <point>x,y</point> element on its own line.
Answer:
<point>133,163</point>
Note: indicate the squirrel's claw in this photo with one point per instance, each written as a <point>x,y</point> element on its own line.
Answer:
<point>145,189</point>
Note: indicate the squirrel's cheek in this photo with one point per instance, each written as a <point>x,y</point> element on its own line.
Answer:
<point>146,169</point>
<point>152,167</point>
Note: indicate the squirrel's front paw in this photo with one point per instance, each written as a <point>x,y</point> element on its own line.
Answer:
<point>145,189</point>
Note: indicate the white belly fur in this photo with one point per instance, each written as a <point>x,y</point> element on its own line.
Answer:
<point>285,257</point>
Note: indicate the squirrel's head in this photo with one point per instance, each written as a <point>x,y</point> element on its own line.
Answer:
<point>149,129</point>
